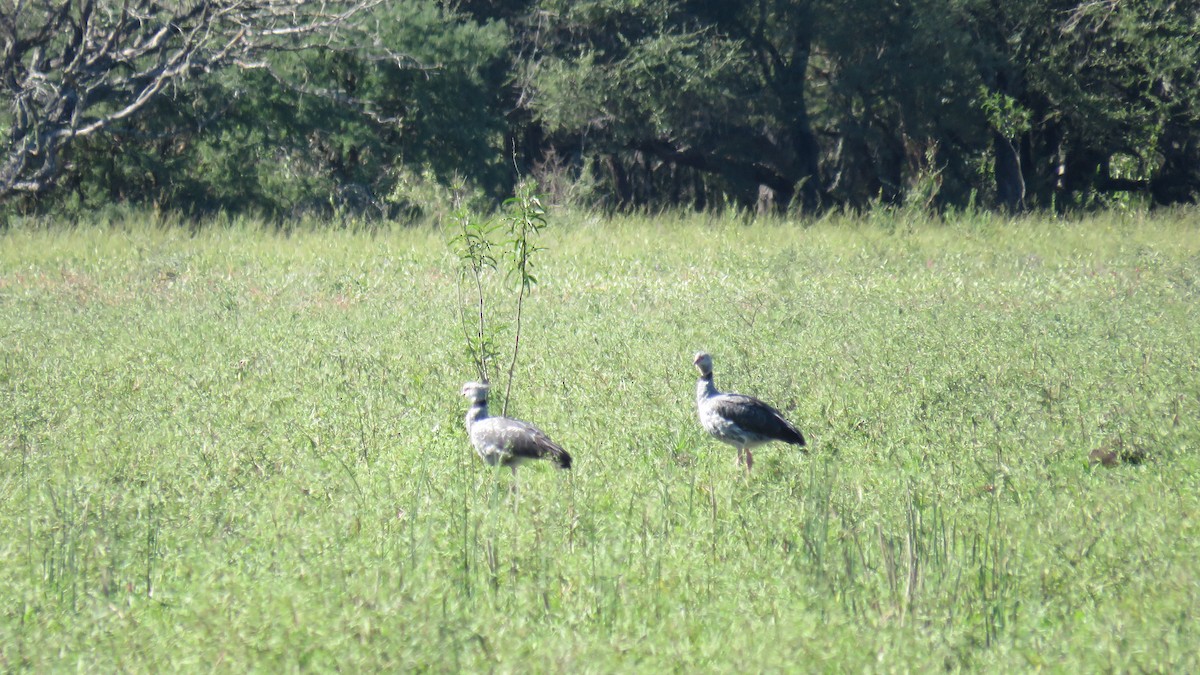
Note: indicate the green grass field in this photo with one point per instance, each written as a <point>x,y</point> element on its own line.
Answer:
<point>241,450</point>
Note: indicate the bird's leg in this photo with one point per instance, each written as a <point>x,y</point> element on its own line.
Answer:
<point>749,460</point>
<point>516,491</point>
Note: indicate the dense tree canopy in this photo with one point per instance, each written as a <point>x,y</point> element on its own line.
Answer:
<point>377,109</point>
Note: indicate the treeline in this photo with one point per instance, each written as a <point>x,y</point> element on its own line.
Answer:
<point>375,109</point>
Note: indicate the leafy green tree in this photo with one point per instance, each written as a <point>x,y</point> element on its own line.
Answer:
<point>718,88</point>
<point>314,130</point>
<point>894,104</point>
<point>1092,97</point>
<point>74,70</point>
<point>1132,88</point>
<point>367,108</point>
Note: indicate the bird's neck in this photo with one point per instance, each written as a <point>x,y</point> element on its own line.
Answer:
<point>477,411</point>
<point>705,387</point>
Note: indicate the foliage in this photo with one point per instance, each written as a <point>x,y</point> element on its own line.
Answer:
<point>473,243</point>
<point>988,97</point>
<point>424,196</point>
<point>523,219</point>
<point>760,105</point>
<point>1004,113</point>
<point>314,132</point>
<point>76,70</point>
<point>1096,80</point>
<point>698,87</point>
<point>896,109</point>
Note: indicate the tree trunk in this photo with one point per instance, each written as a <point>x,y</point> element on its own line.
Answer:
<point>804,167</point>
<point>620,181</point>
<point>1010,181</point>
<point>1178,181</point>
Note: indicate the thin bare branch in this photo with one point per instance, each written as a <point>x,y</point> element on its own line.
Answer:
<point>74,69</point>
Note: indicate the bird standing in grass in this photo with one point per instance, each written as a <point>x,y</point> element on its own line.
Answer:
<point>505,441</point>
<point>741,421</point>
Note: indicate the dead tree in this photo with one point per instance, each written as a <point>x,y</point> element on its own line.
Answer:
<point>75,68</point>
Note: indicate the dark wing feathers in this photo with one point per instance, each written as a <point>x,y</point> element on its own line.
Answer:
<point>758,418</point>
<point>525,440</point>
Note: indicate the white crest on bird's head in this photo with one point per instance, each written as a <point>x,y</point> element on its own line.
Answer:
<point>476,391</point>
<point>703,363</point>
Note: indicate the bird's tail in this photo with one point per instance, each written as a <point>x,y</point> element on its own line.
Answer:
<point>560,458</point>
<point>796,438</point>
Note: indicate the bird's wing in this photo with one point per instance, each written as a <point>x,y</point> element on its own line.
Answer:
<point>757,417</point>
<point>526,440</point>
<point>522,440</point>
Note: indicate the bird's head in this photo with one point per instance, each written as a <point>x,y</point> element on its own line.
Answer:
<point>703,363</point>
<point>476,391</point>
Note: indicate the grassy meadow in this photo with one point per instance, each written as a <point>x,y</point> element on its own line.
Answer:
<point>236,449</point>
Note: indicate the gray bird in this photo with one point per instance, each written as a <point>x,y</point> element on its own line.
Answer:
<point>503,440</point>
<point>741,421</point>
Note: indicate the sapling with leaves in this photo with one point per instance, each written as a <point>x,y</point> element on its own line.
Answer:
<point>472,246</point>
<point>523,218</point>
<point>481,258</point>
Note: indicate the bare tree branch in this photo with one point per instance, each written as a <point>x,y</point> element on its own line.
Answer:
<point>74,68</point>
